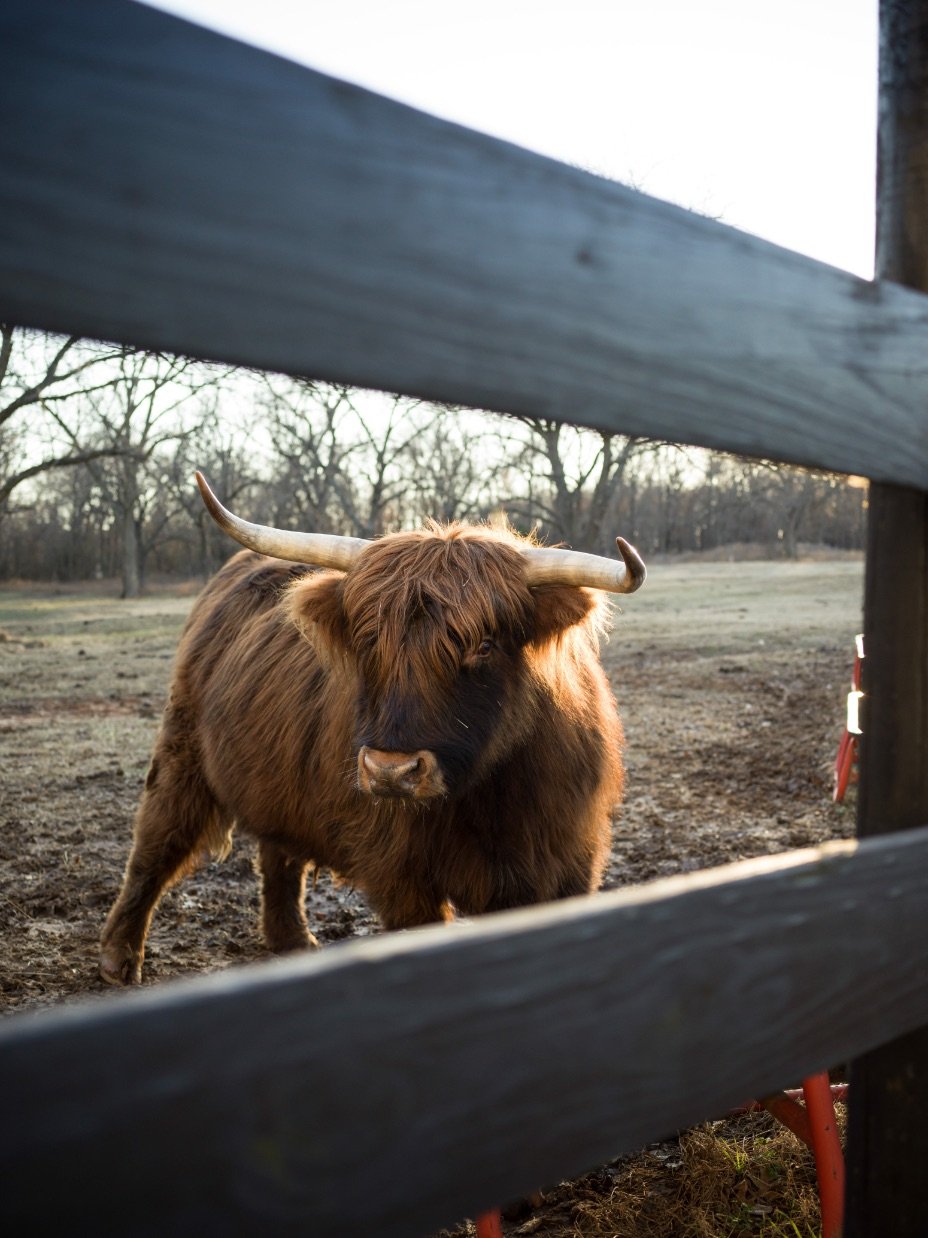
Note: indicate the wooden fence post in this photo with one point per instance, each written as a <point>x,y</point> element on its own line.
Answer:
<point>888,1141</point>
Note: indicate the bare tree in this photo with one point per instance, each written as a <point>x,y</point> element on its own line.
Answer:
<point>130,420</point>
<point>384,461</point>
<point>40,372</point>
<point>462,466</point>
<point>225,455</point>
<point>314,439</point>
<point>583,472</point>
<point>794,499</point>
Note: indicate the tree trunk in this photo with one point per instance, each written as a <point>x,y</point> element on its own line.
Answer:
<point>131,556</point>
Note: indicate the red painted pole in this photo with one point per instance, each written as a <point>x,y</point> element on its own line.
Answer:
<point>829,1159</point>
<point>490,1225</point>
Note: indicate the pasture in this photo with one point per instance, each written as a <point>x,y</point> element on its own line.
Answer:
<point>730,676</point>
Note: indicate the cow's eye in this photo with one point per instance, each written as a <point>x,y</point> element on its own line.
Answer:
<point>485,648</point>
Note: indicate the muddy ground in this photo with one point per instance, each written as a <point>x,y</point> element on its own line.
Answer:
<point>731,679</point>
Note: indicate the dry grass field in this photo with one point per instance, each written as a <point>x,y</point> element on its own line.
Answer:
<point>731,679</point>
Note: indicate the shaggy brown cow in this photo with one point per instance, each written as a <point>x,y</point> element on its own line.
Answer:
<point>430,721</point>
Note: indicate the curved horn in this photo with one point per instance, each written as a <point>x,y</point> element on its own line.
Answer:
<point>319,549</point>
<point>545,566</point>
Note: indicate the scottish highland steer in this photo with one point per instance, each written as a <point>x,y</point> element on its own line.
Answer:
<point>426,715</point>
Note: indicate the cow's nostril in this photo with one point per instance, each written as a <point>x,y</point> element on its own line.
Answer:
<point>410,778</point>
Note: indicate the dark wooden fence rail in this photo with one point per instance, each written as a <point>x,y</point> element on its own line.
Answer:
<point>390,1086</point>
<point>168,187</point>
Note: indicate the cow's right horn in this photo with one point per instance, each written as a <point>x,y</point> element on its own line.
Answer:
<point>547,565</point>
<point>319,549</point>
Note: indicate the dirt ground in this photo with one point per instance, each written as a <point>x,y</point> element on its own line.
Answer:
<point>731,679</point>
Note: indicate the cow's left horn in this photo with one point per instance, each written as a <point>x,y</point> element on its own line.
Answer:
<point>319,549</point>
<point>546,566</point>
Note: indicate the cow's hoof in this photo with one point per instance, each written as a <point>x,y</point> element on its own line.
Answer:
<point>120,965</point>
<point>292,943</point>
<point>519,1209</point>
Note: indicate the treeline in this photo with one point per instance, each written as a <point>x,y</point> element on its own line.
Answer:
<point>98,447</point>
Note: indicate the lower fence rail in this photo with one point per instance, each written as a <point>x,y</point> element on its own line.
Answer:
<point>397,1084</point>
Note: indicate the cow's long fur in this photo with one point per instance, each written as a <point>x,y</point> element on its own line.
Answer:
<point>284,671</point>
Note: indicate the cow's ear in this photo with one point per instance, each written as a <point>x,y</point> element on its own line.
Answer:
<point>558,608</point>
<point>314,604</point>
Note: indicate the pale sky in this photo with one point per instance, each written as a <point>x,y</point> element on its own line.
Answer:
<point>759,112</point>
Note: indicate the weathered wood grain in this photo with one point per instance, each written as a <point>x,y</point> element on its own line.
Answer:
<point>393,1085</point>
<point>888,1139</point>
<point>166,186</point>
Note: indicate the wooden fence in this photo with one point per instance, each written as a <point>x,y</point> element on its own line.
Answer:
<point>165,186</point>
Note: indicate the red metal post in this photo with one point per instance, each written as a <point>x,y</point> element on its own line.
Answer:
<point>829,1159</point>
<point>490,1225</point>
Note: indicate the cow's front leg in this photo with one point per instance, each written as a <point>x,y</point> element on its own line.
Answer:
<point>283,890</point>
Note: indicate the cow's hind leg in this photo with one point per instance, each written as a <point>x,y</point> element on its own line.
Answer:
<point>408,903</point>
<point>283,888</point>
<point>177,823</point>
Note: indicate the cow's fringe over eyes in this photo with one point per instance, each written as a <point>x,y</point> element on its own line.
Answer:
<point>429,601</point>
<point>416,605</point>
